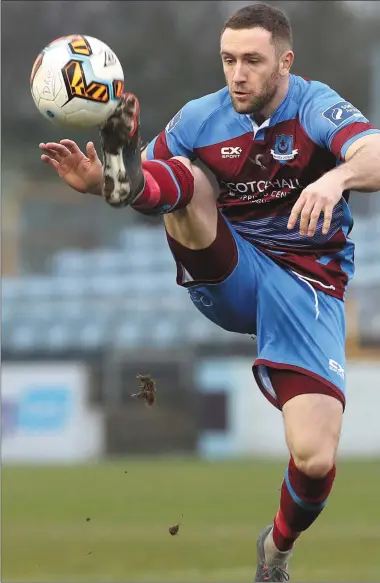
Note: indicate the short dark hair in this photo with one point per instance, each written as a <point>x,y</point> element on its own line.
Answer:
<point>263,16</point>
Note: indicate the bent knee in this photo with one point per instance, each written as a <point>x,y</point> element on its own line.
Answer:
<point>315,465</point>
<point>195,225</point>
<point>185,161</point>
<point>206,190</point>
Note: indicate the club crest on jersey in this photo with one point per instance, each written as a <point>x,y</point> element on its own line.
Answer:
<point>283,149</point>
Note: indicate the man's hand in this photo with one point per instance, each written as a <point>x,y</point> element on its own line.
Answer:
<point>82,173</point>
<point>319,197</point>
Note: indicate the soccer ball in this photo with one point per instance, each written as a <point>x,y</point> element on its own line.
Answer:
<point>77,81</point>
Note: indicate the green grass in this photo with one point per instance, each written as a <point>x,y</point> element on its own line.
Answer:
<point>45,535</point>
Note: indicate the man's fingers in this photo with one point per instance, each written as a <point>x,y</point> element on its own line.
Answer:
<point>91,152</point>
<point>61,150</point>
<point>52,153</point>
<point>308,209</point>
<point>296,210</point>
<point>47,150</point>
<point>49,161</point>
<point>71,146</point>
<point>316,213</point>
<point>327,220</point>
<point>305,217</point>
<point>54,150</point>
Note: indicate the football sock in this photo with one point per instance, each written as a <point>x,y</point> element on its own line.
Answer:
<point>169,186</point>
<point>302,500</point>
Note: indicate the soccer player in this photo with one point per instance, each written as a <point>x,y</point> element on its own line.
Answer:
<point>266,253</point>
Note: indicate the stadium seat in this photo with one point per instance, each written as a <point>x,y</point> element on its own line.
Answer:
<point>63,287</point>
<point>128,334</point>
<point>61,336</point>
<point>164,332</point>
<point>11,288</point>
<point>93,334</point>
<point>144,238</point>
<point>23,337</point>
<point>69,262</point>
<point>36,286</point>
<point>106,261</point>
<point>108,285</point>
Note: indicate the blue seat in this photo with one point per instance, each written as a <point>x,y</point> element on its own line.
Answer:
<point>11,288</point>
<point>142,237</point>
<point>128,334</point>
<point>165,332</point>
<point>68,286</point>
<point>61,336</point>
<point>103,260</point>
<point>109,286</point>
<point>69,262</point>
<point>93,334</point>
<point>24,337</point>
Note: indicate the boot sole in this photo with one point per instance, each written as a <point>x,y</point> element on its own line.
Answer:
<point>116,135</point>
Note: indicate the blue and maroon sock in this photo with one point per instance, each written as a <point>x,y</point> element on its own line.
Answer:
<point>169,185</point>
<point>302,500</point>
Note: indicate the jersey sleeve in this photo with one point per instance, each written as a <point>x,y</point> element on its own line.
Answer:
<point>179,136</point>
<point>333,123</point>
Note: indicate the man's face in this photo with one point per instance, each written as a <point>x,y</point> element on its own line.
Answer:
<point>251,67</point>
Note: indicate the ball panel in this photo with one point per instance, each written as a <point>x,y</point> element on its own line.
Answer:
<point>77,81</point>
<point>76,75</point>
<point>48,80</point>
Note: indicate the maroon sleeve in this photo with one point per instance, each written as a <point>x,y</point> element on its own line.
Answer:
<point>158,148</point>
<point>347,135</point>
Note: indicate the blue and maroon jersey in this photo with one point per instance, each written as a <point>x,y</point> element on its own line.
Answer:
<point>261,171</point>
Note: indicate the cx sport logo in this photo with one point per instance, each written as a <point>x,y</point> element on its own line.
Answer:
<point>231,152</point>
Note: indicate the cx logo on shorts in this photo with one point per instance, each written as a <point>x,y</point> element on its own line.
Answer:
<point>197,297</point>
<point>336,367</point>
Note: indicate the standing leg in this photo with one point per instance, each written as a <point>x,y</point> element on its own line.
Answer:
<point>312,428</point>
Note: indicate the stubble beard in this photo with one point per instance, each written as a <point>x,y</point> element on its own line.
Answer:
<point>259,102</point>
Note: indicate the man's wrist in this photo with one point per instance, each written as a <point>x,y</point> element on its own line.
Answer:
<point>343,175</point>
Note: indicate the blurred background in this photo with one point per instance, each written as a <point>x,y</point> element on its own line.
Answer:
<point>92,478</point>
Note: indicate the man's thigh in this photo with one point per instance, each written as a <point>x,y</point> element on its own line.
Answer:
<point>229,298</point>
<point>195,225</point>
<point>300,329</point>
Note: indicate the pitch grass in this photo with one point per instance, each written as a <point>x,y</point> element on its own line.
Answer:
<point>46,534</point>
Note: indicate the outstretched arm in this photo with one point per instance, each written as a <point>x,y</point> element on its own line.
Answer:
<point>360,171</point>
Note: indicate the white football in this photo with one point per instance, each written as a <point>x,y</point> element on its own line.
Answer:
<point>77,81</point>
